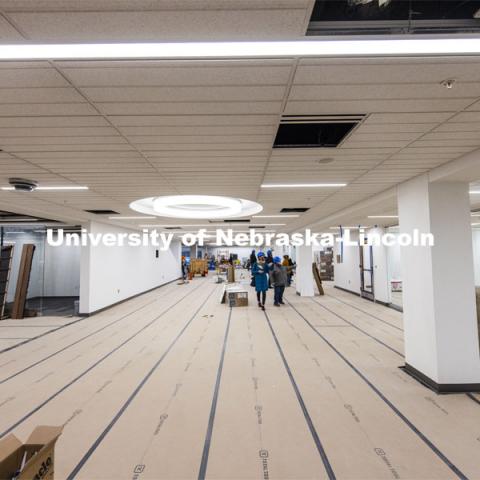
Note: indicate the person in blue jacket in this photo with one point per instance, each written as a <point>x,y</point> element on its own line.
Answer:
<point>260,272</point>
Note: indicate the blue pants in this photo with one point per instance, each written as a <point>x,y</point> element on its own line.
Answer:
<point>278,294</point>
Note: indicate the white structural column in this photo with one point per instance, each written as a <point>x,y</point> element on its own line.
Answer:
<point>441,332</point>
<point>304,274</point>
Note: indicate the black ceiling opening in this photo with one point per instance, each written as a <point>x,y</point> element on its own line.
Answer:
<point>311,135</point>
<point>102,212</point>
<point>294,210</point>
<point>394,16</point>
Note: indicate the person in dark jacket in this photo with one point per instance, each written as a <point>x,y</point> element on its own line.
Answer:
<point>279,280</point>
<point>260,272</point>
<point>269,261</point>
<point>253,258</point>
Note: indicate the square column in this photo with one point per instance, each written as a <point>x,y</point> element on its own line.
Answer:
<point>304,274</point>
<point>441,332</point>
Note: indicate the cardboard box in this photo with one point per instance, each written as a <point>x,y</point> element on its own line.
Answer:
<point>234,296</point>
<point>238,299</point>
<point>32,460</point>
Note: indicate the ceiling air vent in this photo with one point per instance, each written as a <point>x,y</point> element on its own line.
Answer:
<point>294,210</point>
<point>233,220</point>
<point>102,212</point>
<point>394,17</point>
<point>314,131</point>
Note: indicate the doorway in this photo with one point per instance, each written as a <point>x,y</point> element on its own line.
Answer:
<point>366,272</point>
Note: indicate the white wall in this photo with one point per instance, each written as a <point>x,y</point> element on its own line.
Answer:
<point>111,274</point>
<point>55,270</point>
<point>62,271</point>
<point>347,273</point>
<point>244,252</point>
<point>476,255</point>
<point>35,286</point>
<point>381,288</point>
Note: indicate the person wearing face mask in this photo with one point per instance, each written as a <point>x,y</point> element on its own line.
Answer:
<point>260,271</point>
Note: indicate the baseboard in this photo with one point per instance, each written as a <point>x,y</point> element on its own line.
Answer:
<point>395,307</point>
<point>127,299</point>
<point>347,290</point>
<point>440,387</point>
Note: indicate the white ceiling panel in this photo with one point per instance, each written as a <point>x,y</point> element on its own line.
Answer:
<point>369,106</point>
<point>57,131</point>
<point>466,117</point>
<point>458,127</point>
<point>176,108</point>
<point>264,140</point>
<point>144,26</point>
<point>384,91</point>
<point>409,118</point>
<point>193,120</point>
<point>452,135</point>
<point>70,148</point>
<point>194,147</point>
<point>184,94</point>
<point>193,131</point>
<point>39,95</point>
<point>42,109</point>
<point>87,74</point>
<point>387,73</point>
<point>52,121</point>
<point>31,77</point>
<point>383,128</point>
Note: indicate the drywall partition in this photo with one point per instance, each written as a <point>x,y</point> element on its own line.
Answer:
<point>110,274</point>
<point>476,255</point>
<point>381,282</point>
<point>347,271</point>
<point>61,271</point>
<point>18,239</point>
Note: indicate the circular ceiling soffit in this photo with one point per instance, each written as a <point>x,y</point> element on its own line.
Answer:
<point>196,206</point>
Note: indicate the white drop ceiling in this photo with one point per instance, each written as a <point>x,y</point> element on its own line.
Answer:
<point>132,129</point>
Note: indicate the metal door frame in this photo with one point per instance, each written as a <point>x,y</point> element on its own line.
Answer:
<point>364,293</point>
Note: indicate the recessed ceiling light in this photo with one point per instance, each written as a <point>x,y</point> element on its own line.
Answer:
<point>52,188</point>
<point>196,206</point>
<point>275,216</point>
<point>302,185</point>
<point>317,48</point>
<point>383,216</point>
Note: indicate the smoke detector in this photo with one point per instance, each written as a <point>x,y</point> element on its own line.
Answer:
<point>23,184</point>
<point>448,83</point>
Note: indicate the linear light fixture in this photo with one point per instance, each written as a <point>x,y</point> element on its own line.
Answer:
<point>473,192</point>
<point>144,217</point>
<point>76,187</point>
<point>223,225</point>
<point>383,216</point>
<point>315,47</point>
<point>302,185</point>
<point>275,216</point>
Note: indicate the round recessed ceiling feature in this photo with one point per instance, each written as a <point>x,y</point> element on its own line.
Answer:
<point>196,206</point>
